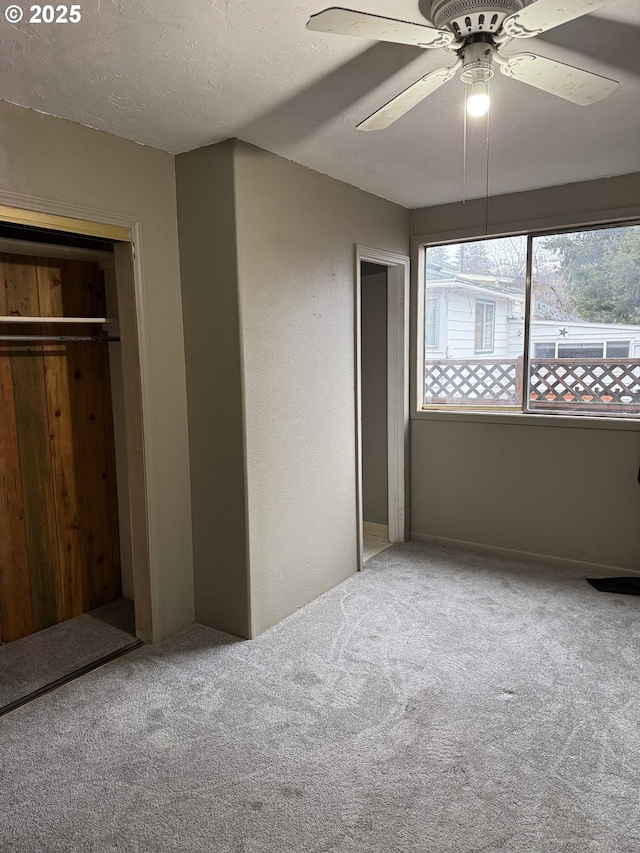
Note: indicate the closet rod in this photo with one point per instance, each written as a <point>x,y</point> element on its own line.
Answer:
<point>21,339</point>
<point>17,318</point>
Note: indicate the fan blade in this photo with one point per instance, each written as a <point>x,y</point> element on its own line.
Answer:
<point>543,15</point>
<point>565,81</point>
<point>345,22</point>
<point>408,99</point>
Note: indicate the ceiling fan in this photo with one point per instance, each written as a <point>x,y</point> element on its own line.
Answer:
<point>476,32</point>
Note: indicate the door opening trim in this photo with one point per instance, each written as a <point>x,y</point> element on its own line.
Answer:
<point>398,283</point>
<point>68,224</point>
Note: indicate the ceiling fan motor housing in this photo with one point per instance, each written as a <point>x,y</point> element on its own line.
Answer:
<point>477,59</point>
<point>467,17</point>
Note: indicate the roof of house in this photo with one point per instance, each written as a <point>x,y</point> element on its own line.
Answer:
<point>496,286</point>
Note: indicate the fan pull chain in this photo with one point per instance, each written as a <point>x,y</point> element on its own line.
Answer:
<point>486,201</point>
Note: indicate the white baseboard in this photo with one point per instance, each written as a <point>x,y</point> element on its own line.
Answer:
<point>543,559</point>
<point>375,529</point>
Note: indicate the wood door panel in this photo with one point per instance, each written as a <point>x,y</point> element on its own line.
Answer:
<point>21,294</point>
<point>67,489</point>
<point>111,482</point>
<point>59,545</point>
<point>34,459</point>
<point>85,297</point>
<point>16,611</point>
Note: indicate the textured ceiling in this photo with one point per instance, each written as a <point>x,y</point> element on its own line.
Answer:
<point>178,74</point>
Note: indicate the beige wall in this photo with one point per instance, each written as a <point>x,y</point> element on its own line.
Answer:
<point>268,269</point>
<point>375,489</point>
<point>296,235</point>
<point>570,493</point>
<point>553,207</point>
<point>530,485</point>
<point>57,160</point>
<point>207,233</point>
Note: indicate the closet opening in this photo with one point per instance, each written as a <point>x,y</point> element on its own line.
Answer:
<point>71,557</point>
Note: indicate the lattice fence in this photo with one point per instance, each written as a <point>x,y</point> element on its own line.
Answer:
<point>470,382</point>
<point>584,382</point>
<point>568,384</point>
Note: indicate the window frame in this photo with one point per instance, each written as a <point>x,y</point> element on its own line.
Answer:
<point>507,413</point>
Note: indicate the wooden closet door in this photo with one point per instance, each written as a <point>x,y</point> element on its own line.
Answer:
<point>59,546</point>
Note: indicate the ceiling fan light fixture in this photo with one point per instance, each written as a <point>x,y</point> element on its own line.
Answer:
<point>478,102</point>
<point>477,70</point>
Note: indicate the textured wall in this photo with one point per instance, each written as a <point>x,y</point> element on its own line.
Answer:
<point>207,231</point>
<point>54,159</point>
<point>530,485</point>
<point>569,493</point>
<point>296,235</point>
<point>553,207</point>
<point>375,496</point>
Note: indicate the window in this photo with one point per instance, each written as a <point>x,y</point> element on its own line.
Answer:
<point>613,349</point>
<point>544,350</point>
<point>432,322</point>
<point>580,350</point>
<point>583,313</point>
<point>485,325</point>
<point>481,292</point>
<point>618,349</point>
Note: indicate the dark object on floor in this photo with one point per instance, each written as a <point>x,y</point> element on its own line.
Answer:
<point>626,586</point>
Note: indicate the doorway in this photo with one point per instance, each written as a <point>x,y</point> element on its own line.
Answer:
<point>66,580</point>
<point>373,395</point>
<point>382,398</point>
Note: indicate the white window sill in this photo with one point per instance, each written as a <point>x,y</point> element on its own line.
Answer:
<point>521,419</point>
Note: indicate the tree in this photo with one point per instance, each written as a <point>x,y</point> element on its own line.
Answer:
<point>508,257</point>
<point>438,255</point>
<point>601,271</point>
<point>473,258</point>
<point>462,257</point>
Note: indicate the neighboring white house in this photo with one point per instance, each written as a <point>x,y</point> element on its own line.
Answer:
<point>470,316</point>
<point>579,339</point>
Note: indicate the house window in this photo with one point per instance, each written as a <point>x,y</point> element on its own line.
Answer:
<point>485,325</point>
<point>545,350</point>
<point>618,349</point>
<point>580,350</point>
<point>608,349</point>
<point>432,322</point>
<point>580,314</point>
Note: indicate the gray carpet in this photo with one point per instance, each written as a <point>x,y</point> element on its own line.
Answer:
<point>37,660</point>
<point>439,702</point>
